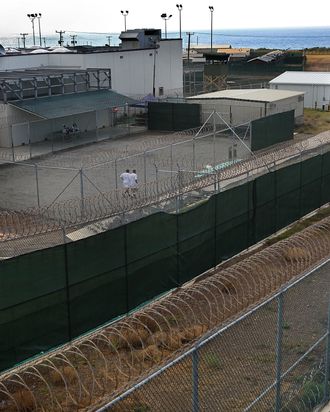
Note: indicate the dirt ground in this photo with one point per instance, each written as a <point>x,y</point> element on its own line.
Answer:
<point>58,177</point>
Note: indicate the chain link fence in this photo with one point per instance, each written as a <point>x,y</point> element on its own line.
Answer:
<point>275,357</point>
<point>30,140</point>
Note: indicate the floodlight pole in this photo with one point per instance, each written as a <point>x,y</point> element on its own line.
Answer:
<point>32,16</point>
<point>211,11</point>
<point>124,13</point>
<point>39,17</point>
<point>179,7</point>
<point>165,17</point>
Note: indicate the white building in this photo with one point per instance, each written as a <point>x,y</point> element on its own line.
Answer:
<point>155,67</point>
<point>240,106</point>
<point>315,86</point>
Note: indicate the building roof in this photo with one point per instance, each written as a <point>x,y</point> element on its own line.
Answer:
<point>321,78</point>
<point>269,57</point>
<point>256,95</point>
<point>71,104</point>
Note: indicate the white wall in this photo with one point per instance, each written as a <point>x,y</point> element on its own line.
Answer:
<point>10,115</point>
<point>315,95</point>
<point>131,70</point>
<point>238,112</point>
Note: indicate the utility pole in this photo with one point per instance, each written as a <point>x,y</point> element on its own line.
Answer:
<point>189,34</point>
<point>23,38</point>
<point>109,40</point>
<point>60,32</point>
<point>18,43</point>
<point>73,39</point>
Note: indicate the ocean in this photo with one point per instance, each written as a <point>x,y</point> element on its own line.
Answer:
<point>283,38</point>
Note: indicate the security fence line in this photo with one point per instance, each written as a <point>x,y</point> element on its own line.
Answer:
<point>95,369</point>
<point>138,261</point>
<point>171,185</point>
<point>265,400</point>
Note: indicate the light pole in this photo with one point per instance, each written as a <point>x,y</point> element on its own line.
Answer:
<point>109,40</point>
<point>23,38</point>
<point>211,11</point>
<point>32,16</point>
<point>179,7</point>
<point>124,13</point>
<point>39,17</point>
<point>165,17</point>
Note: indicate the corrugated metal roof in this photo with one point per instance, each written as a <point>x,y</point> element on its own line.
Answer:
<point>257,95</point>
<point>322,78</point>
<point>268,57</point>
<point>71,104</point>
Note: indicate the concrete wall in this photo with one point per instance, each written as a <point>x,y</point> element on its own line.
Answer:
<point>131,70</point>
<point>316,96</point>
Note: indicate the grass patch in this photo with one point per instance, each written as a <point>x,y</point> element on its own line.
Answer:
<point>213,361</point>
<point>315,121</point>
<point>299,226</point>
<point>286,326</point>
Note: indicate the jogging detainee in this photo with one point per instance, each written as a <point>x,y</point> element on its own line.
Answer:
<point>125,178</point>
<point>133,179</point>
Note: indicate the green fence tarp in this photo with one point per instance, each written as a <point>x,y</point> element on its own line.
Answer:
<point>53,295</point>
<point>151,257</point>
<point>196,238</point>
<point>173,116</point>
<point>33,309</point>
<point>271,130</point>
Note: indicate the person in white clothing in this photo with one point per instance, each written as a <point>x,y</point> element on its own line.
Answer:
<point>125,178</point>
<point>133,182</point>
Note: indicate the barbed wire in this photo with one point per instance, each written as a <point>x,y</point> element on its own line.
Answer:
<point>94,369</point>
<point>76,211</point>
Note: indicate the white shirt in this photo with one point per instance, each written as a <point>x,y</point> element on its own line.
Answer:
<point>125,177</point>
<point>132,179</point>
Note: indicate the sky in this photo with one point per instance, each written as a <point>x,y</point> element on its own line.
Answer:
<point>103,16</point>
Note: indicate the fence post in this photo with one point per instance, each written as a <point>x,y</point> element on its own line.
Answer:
<point>157,186</point>
<point>145,172</point>
<point>214,130</point>
<point>171,157</point>
<point>195,394</point>
<point>37,184</point>
<point>279,351</point>
<point>67,284</point>
<point>12,143</point>
<point>82,203</point>
<point>30,149</point>
<point>116,174</point>
<point>194,155</point>
<point>327,361</point>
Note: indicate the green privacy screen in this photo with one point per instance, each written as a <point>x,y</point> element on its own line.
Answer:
<point>51,296</point>
<point>173,116</point>
<point>271,130</point>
